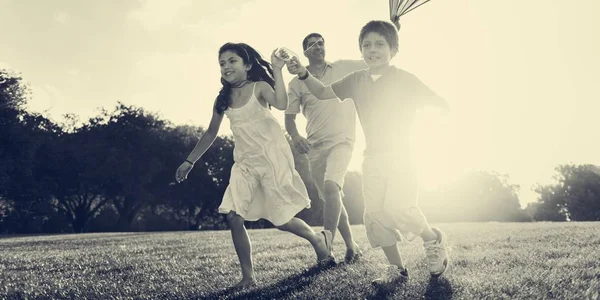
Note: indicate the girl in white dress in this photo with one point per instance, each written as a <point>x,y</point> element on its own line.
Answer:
<point>264,183</point>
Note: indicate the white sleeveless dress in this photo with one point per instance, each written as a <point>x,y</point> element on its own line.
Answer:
<point>264,183</point>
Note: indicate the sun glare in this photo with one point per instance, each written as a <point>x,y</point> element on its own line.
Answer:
<point>435,150</point>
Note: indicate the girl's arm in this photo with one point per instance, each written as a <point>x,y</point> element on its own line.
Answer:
<point>277,98</point>
<point>205,141</point>
<point>207,138</point>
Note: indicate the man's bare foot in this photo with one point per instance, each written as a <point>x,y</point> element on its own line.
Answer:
<point>246,282</point>
<point>353,254</point>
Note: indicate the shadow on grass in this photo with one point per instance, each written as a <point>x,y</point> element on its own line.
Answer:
<point>438,288</point>
<point>280,289</point>
<point>380,293</point>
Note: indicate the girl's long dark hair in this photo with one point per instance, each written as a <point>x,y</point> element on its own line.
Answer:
<point>260,70</point>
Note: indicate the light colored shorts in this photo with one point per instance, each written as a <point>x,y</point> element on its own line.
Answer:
<point>390,192</point>
<point>330,162</point>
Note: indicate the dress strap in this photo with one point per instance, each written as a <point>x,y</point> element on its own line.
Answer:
<point>254,95</point>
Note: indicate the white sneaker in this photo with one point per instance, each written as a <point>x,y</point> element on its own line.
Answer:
<point>435,252</point>
<point>392,275</point>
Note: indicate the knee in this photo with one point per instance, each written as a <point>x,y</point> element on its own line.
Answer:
<point>331,191</point>
<point>235,220</point>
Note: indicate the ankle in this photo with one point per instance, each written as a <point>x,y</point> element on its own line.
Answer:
<point>351,246</point>
<point>247,272</point>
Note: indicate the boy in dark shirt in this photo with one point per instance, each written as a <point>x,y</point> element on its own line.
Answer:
<point>386,100</point>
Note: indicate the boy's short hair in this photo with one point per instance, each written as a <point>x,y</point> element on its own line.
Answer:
<point>311,35</point>
<point>386,29</point>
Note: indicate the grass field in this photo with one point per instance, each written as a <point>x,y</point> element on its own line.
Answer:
<point>488,261</point>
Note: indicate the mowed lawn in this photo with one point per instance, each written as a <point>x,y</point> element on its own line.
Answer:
<point>488,261</point>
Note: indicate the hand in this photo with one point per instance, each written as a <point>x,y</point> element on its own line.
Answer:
<point>301,144</point>
<point>276,61</point>
<point>295,67</point>
<point>183,171</point>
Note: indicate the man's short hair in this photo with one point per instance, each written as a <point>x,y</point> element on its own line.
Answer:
<point>312,35</point>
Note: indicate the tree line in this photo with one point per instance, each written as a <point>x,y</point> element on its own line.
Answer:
<point>112,173</point>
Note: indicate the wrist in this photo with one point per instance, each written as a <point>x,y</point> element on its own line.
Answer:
<point>189,161</point>
<point>304,75</point>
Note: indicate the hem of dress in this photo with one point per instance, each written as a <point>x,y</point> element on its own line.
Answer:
<point>225,210</point>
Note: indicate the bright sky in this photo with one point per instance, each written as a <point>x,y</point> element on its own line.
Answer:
<point>521,76</point>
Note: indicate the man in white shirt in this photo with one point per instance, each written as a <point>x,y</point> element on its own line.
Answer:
<point>330,135</point>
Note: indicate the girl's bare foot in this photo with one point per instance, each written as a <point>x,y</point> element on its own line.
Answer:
<point>246,282</point>
<point>324,247</point>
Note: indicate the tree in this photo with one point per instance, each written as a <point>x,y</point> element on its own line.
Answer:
<point>197,198</point>
<point>132,143</point>
<point>13,96</point>
<point>24,138</point>
<point>76,160</point>
<point>13,93</point>
<point>477,196</point>
<point>575,195</point>
<point>540,211</point>
<point>142,153</point>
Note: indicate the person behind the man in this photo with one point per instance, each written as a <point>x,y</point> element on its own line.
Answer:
<point>330,137</point>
